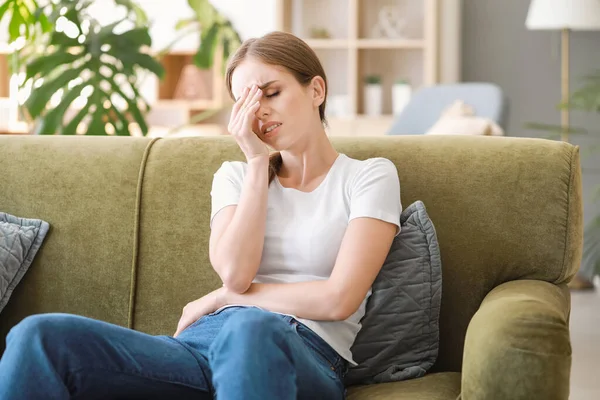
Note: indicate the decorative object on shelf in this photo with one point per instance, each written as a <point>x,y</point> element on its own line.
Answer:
<point>373,95</point>
<point>390,24</point>
<point>338,105</point>
<point>192,84</point>
<point>564,15</point>
<point>401,92</point>
<point>319,33</point>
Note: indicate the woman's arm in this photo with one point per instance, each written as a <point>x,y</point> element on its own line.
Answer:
<point>364,249</point>
<point>237,236</point>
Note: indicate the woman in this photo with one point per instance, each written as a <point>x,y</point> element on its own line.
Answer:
<point>297,239</point>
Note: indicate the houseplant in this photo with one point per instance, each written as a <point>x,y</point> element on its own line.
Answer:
<point>586,98</point>
<point>401,93</point>
<point>373,95</point>
<point>71,62</point>
<point>218,37</point>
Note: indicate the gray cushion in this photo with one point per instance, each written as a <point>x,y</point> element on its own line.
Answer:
<point>20,240</point>
<point>400,331</point>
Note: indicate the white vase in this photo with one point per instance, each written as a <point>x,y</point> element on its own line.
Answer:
<point>373,99</point>
<point>401,94</point>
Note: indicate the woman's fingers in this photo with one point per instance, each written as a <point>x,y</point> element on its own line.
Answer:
<point>249,98</point>
<point>251,105</point>
<point>249,116</point>
<point>238,104</point>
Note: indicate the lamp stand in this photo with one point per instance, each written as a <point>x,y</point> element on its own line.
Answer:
<point>564,115</point>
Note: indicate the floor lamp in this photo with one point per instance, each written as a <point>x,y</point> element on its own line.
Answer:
<point>564,15</point>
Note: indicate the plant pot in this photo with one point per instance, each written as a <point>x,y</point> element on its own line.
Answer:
<point>401,94</point>
<point>373,99</point>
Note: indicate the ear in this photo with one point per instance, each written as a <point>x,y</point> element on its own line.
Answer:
<point>318,90</point>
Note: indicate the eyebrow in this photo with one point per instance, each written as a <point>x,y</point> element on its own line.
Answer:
<point>263,86</point>
<point>266,85</point>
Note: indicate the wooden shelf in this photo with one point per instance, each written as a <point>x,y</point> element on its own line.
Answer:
<point>341,44</point>
<point>391,44</point>
<point>355,51</point>
<point>202,104</point>
<point>328,43</point>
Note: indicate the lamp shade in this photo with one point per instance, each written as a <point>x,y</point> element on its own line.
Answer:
<point>564,14</point>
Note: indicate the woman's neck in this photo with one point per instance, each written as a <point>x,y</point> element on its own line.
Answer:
<point>305,169</point>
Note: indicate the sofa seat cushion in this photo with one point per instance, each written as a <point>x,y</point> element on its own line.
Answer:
<point>439,386</point>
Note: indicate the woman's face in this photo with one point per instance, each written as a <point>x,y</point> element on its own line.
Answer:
<point>287,109</point>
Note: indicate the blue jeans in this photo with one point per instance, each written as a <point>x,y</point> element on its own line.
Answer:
<point>237,353</point>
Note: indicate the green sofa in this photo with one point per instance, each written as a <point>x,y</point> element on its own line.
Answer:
<point>128,244</point>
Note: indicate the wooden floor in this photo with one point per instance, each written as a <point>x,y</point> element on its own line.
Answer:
<point>585,339</point>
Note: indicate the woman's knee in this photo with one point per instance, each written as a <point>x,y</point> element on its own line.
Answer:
<point>42,326</point>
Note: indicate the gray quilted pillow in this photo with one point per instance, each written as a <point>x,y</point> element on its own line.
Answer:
<point>20,240</point>
<point>400,334</point>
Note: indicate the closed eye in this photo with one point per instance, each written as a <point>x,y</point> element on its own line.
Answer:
<point>272,95</point>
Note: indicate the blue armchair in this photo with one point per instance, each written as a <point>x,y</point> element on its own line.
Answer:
<point>427,104</point>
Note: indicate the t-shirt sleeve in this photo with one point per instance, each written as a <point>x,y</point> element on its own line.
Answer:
<point>376,192</point>
<point>226,187</point>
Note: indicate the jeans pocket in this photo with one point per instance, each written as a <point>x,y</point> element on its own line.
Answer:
<point>330,361</point>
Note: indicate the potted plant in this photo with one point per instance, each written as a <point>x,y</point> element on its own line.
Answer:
<point>587,99</point>
<point>373,95</point>
<point>401,93</point>
<point>80,76</point>
<point>217,34</point>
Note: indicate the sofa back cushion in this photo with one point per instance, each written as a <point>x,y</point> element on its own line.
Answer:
<point>504,209</point>
<point>85,188</point>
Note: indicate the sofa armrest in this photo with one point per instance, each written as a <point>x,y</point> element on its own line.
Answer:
<point>517,344</point>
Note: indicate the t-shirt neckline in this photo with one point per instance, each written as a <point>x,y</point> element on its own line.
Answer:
<point>329,173</point>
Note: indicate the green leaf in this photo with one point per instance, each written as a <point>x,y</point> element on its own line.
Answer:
<point>555,128</point>
<point>4,8</point>
<point>106,32</point>
<point>132,108</point>
<point>205,56</point>
<point>205,12</point>
<point>141,19</point>
<point>124,129</point>
<point>40,15</point>
<point>134,38</point>
<point>39,97</point>
<point>71,127</point>
<point>97,125</point>
<point>14,26</point>
<point>141,59</point>
<point>60,39</point>
<point>53,118</point>
<point>183,23</point>
<point>45,64</point>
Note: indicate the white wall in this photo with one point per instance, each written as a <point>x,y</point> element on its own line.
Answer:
<point>251,18</point>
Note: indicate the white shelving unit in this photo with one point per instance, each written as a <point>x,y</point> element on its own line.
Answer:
<point>351,52</point>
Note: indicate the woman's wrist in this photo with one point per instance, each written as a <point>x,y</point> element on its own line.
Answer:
<point>261,160</point>
<point>221,297</point>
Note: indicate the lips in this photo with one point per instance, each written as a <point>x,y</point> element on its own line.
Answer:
<point>269,127</point>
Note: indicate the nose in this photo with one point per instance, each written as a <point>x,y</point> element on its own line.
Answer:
<point>263,111</point>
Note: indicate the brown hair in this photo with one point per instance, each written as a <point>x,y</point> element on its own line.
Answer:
<point>286,50</point>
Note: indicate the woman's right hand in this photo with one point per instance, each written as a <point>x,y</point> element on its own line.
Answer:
<point>242,120</point>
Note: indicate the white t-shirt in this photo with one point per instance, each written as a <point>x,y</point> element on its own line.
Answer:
<point>304,231</point>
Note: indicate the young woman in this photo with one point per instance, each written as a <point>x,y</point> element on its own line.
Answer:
<point>297,238</point>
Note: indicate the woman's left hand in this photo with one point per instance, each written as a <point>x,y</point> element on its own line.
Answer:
<point>199,308</point>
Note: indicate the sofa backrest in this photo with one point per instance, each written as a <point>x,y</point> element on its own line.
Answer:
<point>130,220</point>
